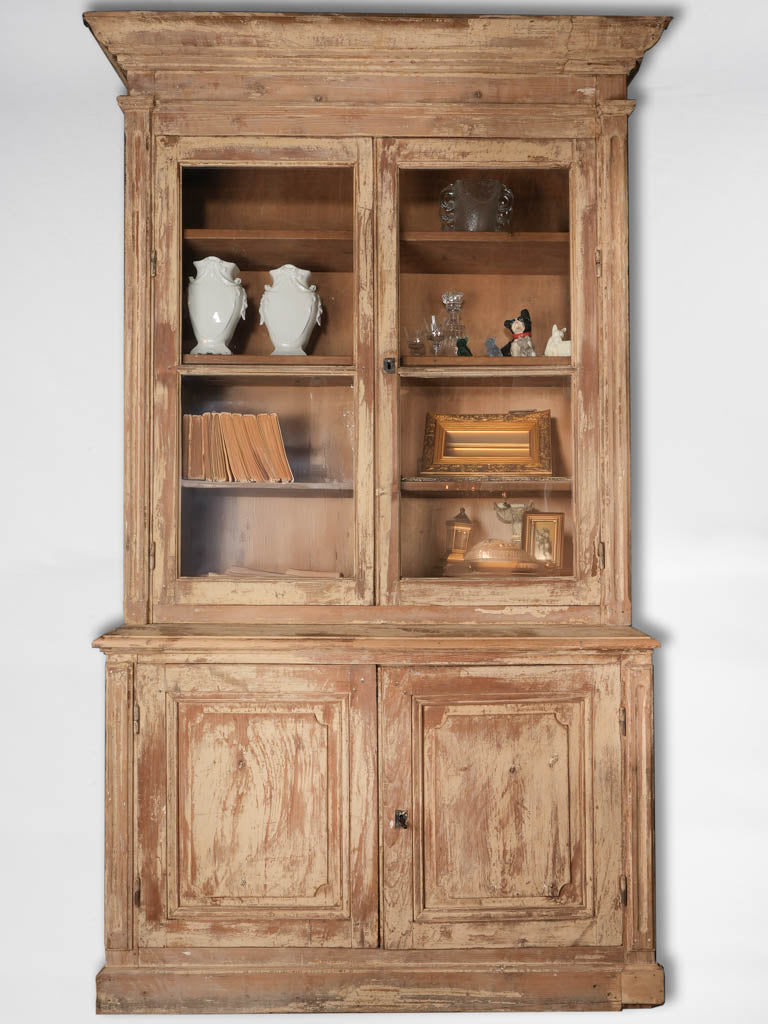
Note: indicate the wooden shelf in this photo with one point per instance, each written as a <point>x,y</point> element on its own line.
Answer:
<point>427,486</point>
<point>322,251</point>
<point>267,366</point>
<point>474,367</point>
<point>484,252</point>
<point>324,488</point>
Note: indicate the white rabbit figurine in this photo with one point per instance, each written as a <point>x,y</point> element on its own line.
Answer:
<point>557,345</point>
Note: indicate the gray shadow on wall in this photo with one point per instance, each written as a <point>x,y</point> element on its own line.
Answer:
<point>641,325</point>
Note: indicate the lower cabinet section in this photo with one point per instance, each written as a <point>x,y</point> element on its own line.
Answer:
<point>379,836</point>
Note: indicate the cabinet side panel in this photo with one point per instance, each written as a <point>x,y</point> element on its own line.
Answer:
<point>639,808</point>
<point>138,212</point>
<point>151,806</point>
<point>118,846</point>
<point>614,365</point>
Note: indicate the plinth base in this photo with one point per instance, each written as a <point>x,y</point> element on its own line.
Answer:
<point>374,980</point>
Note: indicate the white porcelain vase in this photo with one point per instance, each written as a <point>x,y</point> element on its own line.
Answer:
<point>216,300</point>
<point>290,307</point>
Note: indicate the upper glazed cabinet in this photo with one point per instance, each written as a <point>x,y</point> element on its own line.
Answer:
<point>311,268</point>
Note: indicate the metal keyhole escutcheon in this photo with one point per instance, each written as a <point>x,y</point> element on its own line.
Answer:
<point>401,819</point>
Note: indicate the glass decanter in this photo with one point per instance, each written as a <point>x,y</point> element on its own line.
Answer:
<point>453,325</point>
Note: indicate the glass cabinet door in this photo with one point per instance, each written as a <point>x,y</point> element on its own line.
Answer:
<point>487,313</point>
<point>262,357</point>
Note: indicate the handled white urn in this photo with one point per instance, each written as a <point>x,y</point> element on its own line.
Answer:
<point>216,300</point>
<point>290,307</point>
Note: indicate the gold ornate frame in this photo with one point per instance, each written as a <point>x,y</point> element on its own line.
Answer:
<point>556,521</point>
<point>530,455</point>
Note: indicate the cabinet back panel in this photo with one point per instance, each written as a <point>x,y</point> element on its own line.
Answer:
<point>268,197</point>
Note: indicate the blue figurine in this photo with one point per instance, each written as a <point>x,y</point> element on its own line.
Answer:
<point>462,347</point>
<point>491,348</point>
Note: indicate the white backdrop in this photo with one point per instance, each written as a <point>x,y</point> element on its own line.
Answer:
<point>699,144</point>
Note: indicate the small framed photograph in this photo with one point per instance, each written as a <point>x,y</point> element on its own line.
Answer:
<point>544,537</point>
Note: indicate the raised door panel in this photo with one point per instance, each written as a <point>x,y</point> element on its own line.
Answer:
<point>266,779</point>
<point>512,783</point>
<point>261,789</point>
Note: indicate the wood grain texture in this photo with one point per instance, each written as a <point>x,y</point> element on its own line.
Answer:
<point>613,230</point>
<point>393,990</point>
<point>379,639</point>
<point>414,120</point>
<point>137,363</point>
<point>504,848</point>
<point>267,836</point>
<point>165,41</point>
<point>118,811</point>
<point>407,85</point>
<point>637,680</point>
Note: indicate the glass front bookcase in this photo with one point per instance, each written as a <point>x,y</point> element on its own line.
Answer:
<point>439,441</point>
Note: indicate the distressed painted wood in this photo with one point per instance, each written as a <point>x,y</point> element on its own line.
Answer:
<point>118,810</point>
<point>379,641</point>
<point>508,786</point>
<point>637,673</point>
<point>266,798</point>
<point>150,42</point>
<point>613,226</point>
<point>261,734</point>
<point>137,333</point>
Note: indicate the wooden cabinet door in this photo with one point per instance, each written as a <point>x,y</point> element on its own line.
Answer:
<point>511,778</point>
<point>256,806</point>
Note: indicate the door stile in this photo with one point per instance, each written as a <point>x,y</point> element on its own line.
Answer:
<point>364,361</point>
<point>387,384</point>
<point>166,350</point>
<point>397,870</point>
<point>150,802</point>
<point>585,330</point>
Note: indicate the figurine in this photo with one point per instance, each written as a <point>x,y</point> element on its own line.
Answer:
<point>557,344</point>
<point>521,343</point>
<point>462,347</point>
<point>512,515</point>
<point>491,348</point>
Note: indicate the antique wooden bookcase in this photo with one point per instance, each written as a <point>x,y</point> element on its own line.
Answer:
<point>338,779</point>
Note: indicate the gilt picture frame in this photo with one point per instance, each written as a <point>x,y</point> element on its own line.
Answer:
<point>543,537</point>
<point>513,444</point>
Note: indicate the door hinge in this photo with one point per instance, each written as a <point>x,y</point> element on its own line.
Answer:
<point>151,555</point>
<point>153,263</point>
<point>623,720</point>
<point>136,718</point>
<point>598,262</point>
<point>137,892</point>
<point>601,553</point>
<point>623,890</point>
